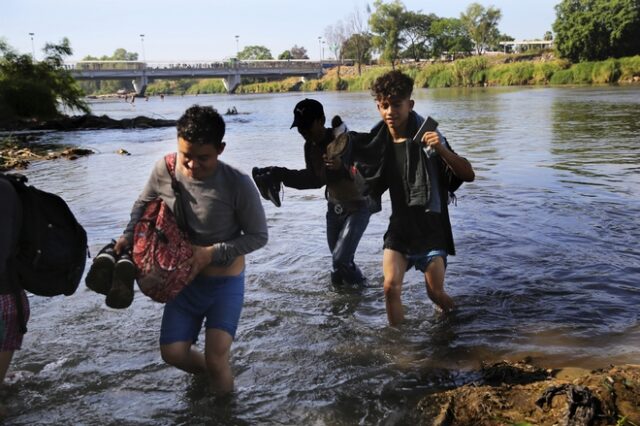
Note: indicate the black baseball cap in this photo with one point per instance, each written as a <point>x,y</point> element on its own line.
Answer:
<point>306,112</point>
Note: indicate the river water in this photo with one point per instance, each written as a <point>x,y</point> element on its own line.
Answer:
<point>548,266</point>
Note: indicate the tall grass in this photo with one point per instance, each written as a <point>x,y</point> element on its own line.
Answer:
<point>543,71</point>
<point>473,71</point>
<point>513,74</point>
<point>629,68</point>
<point>470,71</point>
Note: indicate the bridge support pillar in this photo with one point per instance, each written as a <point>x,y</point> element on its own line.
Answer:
<point>231,82</point>
<point>140,84</point>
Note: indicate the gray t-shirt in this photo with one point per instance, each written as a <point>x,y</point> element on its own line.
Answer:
<point>223,210</point>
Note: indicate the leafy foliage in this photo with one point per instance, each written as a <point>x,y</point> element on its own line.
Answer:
<point>482,25</point>
<point>597,29</point>
<point>285,55</point>
<point>358,47</point>
<point>450,36</point>
<point>109,86</point>
<point>253,53</point>
<point>417,34</point>
<point>299,52</point>
<point>387,23</point>
<point>296,52</point>
<point>31,89</point>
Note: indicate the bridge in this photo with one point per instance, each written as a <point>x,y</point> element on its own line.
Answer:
<point>231,71</point>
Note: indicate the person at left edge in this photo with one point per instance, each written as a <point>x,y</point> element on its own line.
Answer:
<point>224,211</point>
<point>347,208</point>
<point>12,298</point>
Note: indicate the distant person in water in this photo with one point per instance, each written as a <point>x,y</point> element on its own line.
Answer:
<point>420,175</point>
<point>223,209</point>
<point>347,208</point>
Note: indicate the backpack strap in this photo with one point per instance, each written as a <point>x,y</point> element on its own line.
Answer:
<point>178,208</point>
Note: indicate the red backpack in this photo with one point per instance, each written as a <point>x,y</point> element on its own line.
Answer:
<point>161,247</point>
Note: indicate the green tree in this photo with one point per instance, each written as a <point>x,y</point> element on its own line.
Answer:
<point>254,53</point>
<point>299,52</point>
<point>548,36</point>
<point>357,44</point>
<point>482,25</point>
<point>387,23</point>
<point>36,89</point>
<point>450,37</point>
<point>417,34</point>
<point>109,86</point>
<point>285,55</point>
<point>122,55</point>
<point>589,30</point>
<point>119,54</point>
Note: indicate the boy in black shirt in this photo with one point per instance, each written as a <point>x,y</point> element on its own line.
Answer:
<point>419,173</point>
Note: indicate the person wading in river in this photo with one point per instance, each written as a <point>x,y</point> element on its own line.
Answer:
<point>12,327</point>
<point>347,208</point>
<point>420,175</point>
<point>223,209</point>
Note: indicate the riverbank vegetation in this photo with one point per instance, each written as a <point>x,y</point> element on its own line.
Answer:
<point>475,71</point>
<point>30,89</point>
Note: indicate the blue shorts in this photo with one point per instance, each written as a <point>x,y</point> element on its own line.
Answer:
<point>421,261</point>
<point>217,300</point>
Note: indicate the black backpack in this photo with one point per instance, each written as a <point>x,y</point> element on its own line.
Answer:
<point>52,246</point>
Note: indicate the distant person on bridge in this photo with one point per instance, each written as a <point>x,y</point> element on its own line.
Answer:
<point>347,208</point>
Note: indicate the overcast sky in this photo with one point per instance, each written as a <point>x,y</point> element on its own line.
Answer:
<point>206,29</point>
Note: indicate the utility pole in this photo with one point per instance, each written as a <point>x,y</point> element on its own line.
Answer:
<point>237,46</point>
<point>144,58</point>
<point>33,49</point>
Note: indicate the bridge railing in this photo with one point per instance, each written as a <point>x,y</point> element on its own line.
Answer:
<point>167,65</point>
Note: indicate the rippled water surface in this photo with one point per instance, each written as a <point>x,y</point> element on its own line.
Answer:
<point>548,266</point>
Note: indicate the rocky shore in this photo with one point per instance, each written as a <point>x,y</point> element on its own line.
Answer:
<point>524,394</point>
<point>21,145</point>
<point>84,122</point>
<point>17,152</point>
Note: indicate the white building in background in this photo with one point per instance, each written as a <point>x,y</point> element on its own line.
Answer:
<point>522,45</point>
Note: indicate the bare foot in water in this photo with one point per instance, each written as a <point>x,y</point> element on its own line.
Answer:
<point>442,300</point>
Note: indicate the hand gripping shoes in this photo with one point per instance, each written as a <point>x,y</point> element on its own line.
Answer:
<point>268,185</point>
<point>113,276</point>
<point>101,272</point>
<point>121,293</point>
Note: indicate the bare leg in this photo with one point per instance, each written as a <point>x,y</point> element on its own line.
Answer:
<point>5,360</point>
<point>434,279</point>
<point>217,349</point>
<point>183,356</point>
<point>394,265</point>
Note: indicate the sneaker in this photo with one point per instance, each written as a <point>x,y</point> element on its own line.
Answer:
<point>100,274</point>
<point>268,186</point>
<point>121,294</point>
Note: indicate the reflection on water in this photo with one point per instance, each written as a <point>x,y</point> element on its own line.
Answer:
<point>547,266</point>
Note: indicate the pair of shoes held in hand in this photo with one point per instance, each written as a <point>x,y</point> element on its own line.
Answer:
<point>112,275</point>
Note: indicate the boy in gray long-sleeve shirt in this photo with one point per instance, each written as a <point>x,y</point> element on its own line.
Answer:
<point>223,209</point>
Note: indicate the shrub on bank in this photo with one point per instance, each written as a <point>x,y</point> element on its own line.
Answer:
<point>629,68</point>
<point>543,71</point>
<point>208,85</point>
<point>562,77</point>
<point>606,72</point>
<point>470,71</point>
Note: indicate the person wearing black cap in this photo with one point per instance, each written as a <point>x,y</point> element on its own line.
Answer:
<point>347,208</point>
